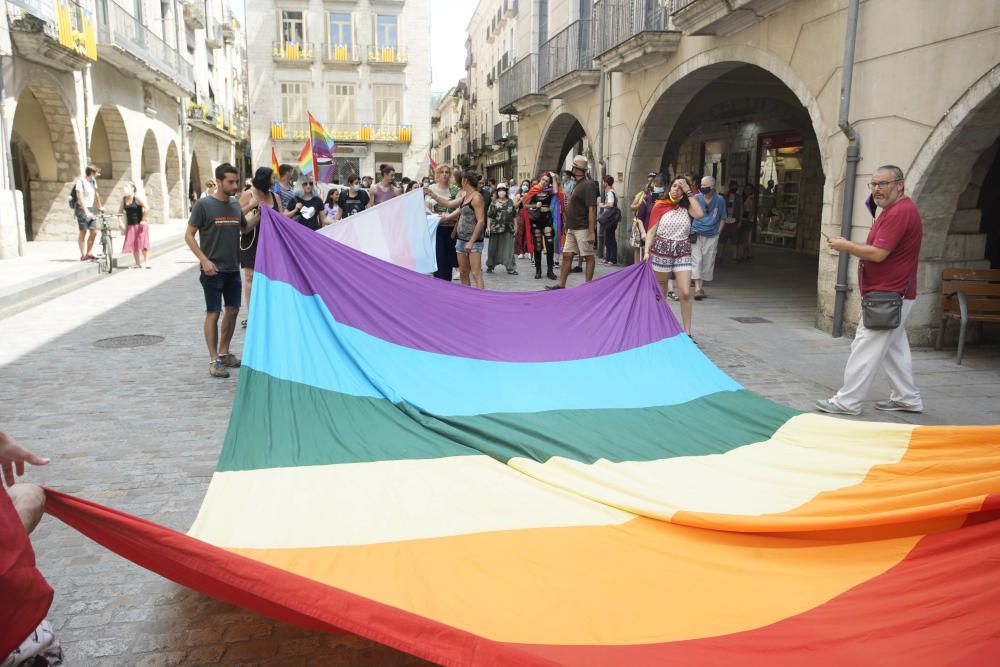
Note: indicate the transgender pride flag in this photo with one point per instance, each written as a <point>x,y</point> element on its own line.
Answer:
<point>490,478</point>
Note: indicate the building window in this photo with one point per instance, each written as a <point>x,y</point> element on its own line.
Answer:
<point>386,32</point>
<point>341,33</point>
<point>293,27</point>
<point>294,102</point>
<point>388,103</point>
<point>341,103</point>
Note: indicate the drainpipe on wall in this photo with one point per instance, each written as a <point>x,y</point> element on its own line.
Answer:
<point>850,173</point>
<point>602,166</point>
<point>8,166</point>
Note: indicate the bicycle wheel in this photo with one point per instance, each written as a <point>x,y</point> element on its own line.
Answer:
<point>108,261</point>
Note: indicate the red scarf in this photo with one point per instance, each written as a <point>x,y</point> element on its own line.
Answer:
<point>660,208</point>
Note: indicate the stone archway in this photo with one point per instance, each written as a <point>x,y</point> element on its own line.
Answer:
<point>43,123</point>
<point>945,181</point>
<point>174,183</point>
<point>109,149</point>
<point>679,87</point>
<point>194,178</point>
<point>562,134</point>
<point>152,178</point>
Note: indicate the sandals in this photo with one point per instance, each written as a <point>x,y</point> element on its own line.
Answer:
<point>699,295</point>
<point>243,324</point>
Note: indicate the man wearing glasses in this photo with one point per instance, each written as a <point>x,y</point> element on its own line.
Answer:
<point>888,264</point>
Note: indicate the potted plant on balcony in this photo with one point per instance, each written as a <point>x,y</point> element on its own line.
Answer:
<point>196,111</point>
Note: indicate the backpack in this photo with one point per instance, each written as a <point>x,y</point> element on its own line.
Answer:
<point>72,197</point>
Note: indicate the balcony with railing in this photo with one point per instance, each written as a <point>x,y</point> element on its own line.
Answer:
<point>59,35</point>
<point>721,17</point>
<point>633,34</point>
<point>124,41</point>
<point>566,62</point>
<point>194,15</point>
<point>213,35</point>
<point>341,55</point>
<point>298,131</point>
<point>296,54</point>
<point>387,56</point>
<point>504,132</point>
<point>519,89</point>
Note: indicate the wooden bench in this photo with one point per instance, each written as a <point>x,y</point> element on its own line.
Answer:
<point>968,295</point>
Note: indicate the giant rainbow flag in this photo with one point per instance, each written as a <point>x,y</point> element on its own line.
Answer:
<point>402,464</point>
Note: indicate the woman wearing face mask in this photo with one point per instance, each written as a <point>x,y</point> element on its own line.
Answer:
<point>353,198</point>
<point>471,225</point>
<point>136,229</point>
<point>523,224</point>
<point>539,207</point>
<point>261,193</point>
<point>500,218</point>
<point>667,245</point>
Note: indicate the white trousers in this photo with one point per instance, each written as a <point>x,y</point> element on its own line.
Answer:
<point>703,253</point>
<point>872,350</point>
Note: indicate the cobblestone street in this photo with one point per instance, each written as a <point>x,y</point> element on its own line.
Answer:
<point>139,429</point>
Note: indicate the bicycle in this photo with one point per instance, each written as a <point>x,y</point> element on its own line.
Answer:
<point>106,263</point>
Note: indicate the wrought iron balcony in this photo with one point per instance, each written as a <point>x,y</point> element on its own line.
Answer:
<point>633,34</point>
<point>566,62</point>
<point>123,41</point>
<point>387,56</point>
<point>721,17</point>
<point>519,89</point>
<point>298,131</point>
<point>346,55</point>
<point>59,35</point>
<point>292,53</point>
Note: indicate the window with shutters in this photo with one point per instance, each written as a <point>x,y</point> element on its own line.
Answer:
<point>294,102</point>
<point>341,103</point>
<point>386,32</point>
<point>293,27</point>
<point>341,31</point>
<point>388,103</point>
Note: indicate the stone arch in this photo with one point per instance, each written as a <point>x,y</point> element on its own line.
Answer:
<point>109,149</point>
<point>195,178</point>
<point>151,175</point>
<point>43,122</point>
<point>562,132</point>
<point>944,166</point>
<point>686,80</point>
<point>174,182</point>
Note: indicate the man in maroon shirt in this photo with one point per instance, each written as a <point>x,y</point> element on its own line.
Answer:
<point>888,264</point>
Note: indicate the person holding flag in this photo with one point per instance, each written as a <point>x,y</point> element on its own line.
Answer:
<point>540,203</point>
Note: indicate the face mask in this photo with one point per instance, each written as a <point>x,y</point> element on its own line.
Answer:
<point>657,190</point>
<point>127,190</point>
<point>502,195</point>
<point>524,188</point>
<point>355,188</point>
<point>703,190</point>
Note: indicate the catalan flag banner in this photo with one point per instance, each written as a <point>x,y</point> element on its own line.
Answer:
<point>307,166</point>
<point>323,146</point>
<point>400,465</point>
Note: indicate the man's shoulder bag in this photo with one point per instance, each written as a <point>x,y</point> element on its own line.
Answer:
<point>881,310</point>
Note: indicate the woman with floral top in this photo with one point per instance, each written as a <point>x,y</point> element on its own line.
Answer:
<point>501,222</point>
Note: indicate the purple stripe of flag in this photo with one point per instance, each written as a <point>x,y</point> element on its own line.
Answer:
<point>392,304</point>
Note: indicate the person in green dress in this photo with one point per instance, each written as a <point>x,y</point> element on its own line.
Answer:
<point>500,220</point>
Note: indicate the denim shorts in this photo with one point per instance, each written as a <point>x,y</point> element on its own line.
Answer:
<point>82,221</point>
<point>223,286</point>
<point>461,243</point>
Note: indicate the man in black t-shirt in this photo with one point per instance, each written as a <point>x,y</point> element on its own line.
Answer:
<point>581,222</point>
<point>352,198</point>
<point>218,221</point>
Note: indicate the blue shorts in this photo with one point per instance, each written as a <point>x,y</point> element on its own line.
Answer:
<point>223,286</point>
<point>461,243</point>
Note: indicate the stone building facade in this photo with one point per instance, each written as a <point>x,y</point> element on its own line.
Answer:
<point>362,69</point>
<point>114,84</point>
<point>490,50</point>
<point>450,127</point>
<point>750,91</point>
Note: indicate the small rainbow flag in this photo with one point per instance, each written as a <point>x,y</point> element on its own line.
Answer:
<point>323,145</point>
<point>306,163</point>
<point>274,162</point>
<point>431,164</point>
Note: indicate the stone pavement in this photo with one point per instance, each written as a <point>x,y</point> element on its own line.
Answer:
<point>139,429</point>
<point>50,268</point>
